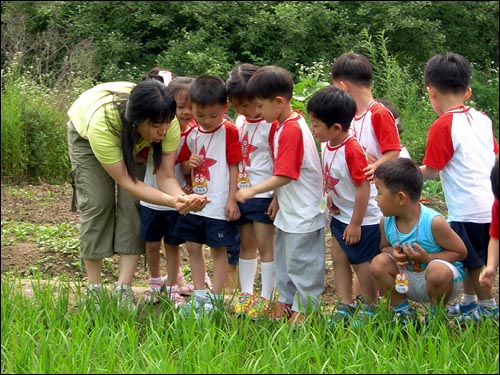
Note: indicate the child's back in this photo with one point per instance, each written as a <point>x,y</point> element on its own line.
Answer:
<point>461,149</point>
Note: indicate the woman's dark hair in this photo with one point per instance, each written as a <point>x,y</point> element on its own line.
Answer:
<point>150,101</point>
<point>401,174</point>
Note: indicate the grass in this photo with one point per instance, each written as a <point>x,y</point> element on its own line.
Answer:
<point>49,332</point>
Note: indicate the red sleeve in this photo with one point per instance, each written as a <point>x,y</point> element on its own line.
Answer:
<point>494,220</point>
<point>439,149</point>
<point>385,129</point>
<point>290,151</point>
<point>356,160</point>
<point>185,152</point>
<point>233,148</point>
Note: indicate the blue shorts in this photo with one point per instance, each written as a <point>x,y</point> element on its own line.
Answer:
<point>366,249</point>
<point>205,230</point>
<point>476,237</point>
<point>254,210</point>
<point>158,224</point>
<point>233,251</point>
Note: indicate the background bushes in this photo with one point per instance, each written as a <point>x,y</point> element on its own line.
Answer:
<point>54,50</point>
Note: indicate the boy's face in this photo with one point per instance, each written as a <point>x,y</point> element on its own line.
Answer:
<point>386,200</point>
<point>269,109</point>
<point>245,107</point>
<point>209,116</point>
<point>319,130</point>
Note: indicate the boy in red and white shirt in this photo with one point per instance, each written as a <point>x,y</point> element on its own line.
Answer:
<point>461,149</point>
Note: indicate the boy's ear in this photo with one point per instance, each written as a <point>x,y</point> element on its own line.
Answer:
<point>402,198</point>
<point>432,92</point>
<point>467,94</point>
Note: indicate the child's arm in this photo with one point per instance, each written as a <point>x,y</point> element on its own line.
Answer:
<point>232,209</point>
<point>352,233</point>
<point>272,183</point>
<point>428,172</point>
<point>488,274</point>
<point>453,247</point>
<point>385,246</point>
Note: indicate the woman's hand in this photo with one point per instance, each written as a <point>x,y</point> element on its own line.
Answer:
<point>192,202</point>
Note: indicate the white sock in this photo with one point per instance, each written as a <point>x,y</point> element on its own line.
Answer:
<point>247,270</point>
<point>490,303</point>
<point>200,295</point>
<point>95,286</point>
<point>467,299</point>
<point>267,276</point>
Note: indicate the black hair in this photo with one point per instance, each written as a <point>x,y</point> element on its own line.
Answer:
<point>352,67</point>
<point>269,82</point>
<point>448,72</point>
<point>401,174</point>
<point>238,78</point>
<point>208,90</point>
<point>332,105</point>
<point>151,101</point>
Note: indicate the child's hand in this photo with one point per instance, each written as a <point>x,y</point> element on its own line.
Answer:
<point>487,276</point>
<point>244,194</point>
<point>352,234</point>
<point>195,161</point>
<point>400,257</point>
<point>415,253</point>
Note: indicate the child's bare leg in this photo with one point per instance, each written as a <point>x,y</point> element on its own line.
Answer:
<point>342,274</point>
<point>366,282</point>
<point>173,261</point>
<point>219,258</point>
<point>153,258</point>
<point>384,270</point>
<point>197,264</point>
<point>439,283</point>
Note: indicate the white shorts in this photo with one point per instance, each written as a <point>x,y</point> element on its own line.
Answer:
<point>417,289</point>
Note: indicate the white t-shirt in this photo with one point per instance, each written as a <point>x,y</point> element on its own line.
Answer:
<point>296,156</point>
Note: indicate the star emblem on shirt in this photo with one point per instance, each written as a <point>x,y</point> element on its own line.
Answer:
<point>207,163</point>
<point>247,149</point>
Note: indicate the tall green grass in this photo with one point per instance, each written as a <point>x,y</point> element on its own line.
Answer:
<point>34,141</point>
<point>48,331</point>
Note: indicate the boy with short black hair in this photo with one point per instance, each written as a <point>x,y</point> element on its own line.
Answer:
<point>421,254</point>
<point>461,149</point>
<point>299,257</point>
<point>210,153</point>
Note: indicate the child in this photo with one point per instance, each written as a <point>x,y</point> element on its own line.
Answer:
<point>355,226</point>
<point>421,254</point>
<point>461,149</point>
<point>157,222</point>
<point>210,154</point>
<point>255,224</point>
<point>299,247</point>
<point>397,119</point>
<point>488,274</point>
<point>374,125</point>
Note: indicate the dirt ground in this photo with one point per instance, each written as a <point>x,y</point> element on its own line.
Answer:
<point>51,204</point>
